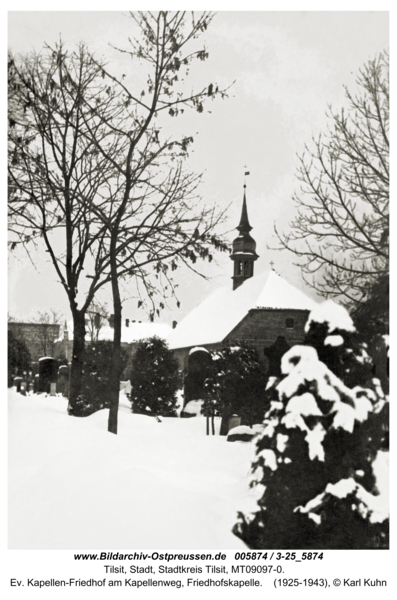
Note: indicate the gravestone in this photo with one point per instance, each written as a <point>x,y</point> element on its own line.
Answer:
<point>63,380</point>
<point>17,383</point>
<point>198,362</point>
<point>274,353</point>
<point>234,421</point>
<point>241,434</point>
<point>48,373</point>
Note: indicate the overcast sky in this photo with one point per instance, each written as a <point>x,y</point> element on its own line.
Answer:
<point>287,66</point>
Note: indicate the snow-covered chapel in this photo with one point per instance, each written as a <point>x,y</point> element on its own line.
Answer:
<point>264,311</point>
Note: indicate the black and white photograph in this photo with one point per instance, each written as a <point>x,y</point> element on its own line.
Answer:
<point>198,283</point>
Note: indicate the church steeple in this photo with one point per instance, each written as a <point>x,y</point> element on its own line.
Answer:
<point>244,246</point>
<point>244,223</point>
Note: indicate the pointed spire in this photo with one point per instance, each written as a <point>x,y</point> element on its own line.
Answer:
<point>244,225</point>
<point>244,249</point>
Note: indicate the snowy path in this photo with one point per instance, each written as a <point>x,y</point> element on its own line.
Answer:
<point>155,485</point>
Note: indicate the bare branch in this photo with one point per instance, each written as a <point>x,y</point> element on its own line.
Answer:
<point>341,229</point>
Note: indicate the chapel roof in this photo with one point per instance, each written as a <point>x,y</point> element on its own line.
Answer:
<point>213,319</point>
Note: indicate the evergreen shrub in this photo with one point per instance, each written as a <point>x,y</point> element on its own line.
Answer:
<point>96,378</point>
<point>155,379</point>
<point>235,385</point>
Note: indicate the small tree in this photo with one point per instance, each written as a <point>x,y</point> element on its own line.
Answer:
<point>314,477</point>
<point>155,379</point>
<point>94,394</point>
<point>235,384</point>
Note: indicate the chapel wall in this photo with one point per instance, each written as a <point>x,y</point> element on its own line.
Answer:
<point>261,327</point>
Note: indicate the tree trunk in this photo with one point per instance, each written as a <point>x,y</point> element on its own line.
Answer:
<point>116,358</point>
<point>77,359</point>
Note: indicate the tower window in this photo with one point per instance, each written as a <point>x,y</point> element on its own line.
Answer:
<point>240,267</point>
<point>289,323</point>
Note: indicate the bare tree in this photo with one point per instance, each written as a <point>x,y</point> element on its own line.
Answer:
<point>342,227</point>
<point>155,217</point>
<point>47,334</point>
<point>55,171</point>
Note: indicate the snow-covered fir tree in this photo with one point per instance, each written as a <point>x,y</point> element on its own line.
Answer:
<point>316,473</point>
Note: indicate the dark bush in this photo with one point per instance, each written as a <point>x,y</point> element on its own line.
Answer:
<point>18,359</point>
<point>155,379</point>
<point>96,378</point>
<point>235,385</point>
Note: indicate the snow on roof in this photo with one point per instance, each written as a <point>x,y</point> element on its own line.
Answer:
<point>211,321</point>
<point>133,333</point>
<point>335,315</point>
<point>137,331</point>
<point>198,349</point>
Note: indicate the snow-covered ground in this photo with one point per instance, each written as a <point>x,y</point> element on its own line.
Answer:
<point>155,485</point>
